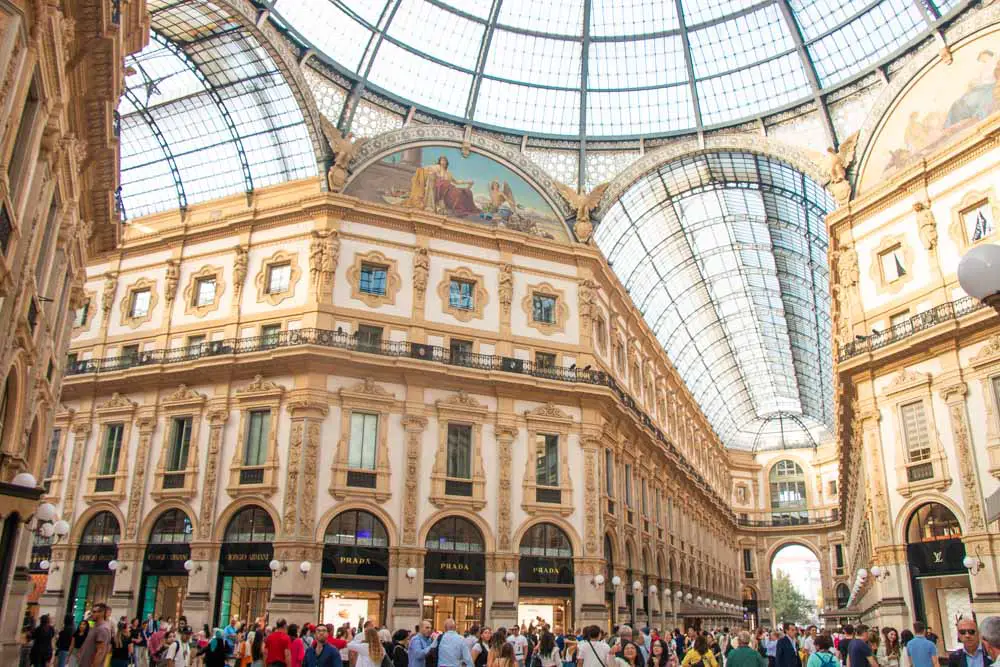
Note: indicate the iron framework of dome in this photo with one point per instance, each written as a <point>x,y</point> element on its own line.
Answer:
<point>725,255</point>
<point>206,113</point>
<point>607,68</point>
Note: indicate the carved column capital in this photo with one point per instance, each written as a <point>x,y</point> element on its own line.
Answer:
<point>955,393</point>
<point>414,423</point>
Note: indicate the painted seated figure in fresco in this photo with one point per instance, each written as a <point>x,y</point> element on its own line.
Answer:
<point>435,188</point>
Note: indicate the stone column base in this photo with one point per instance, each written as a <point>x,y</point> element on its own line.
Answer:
<point>198,609</point>
<point>593,614</point>
<point>502,614</point>
<point>294,608</point>
<point>122,604</point>
<point>405,613</point>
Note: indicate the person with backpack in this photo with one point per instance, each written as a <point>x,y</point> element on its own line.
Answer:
<point>547,654</point>
<point>480,648</point>
<point>699,655</point>
<point>823,657</point>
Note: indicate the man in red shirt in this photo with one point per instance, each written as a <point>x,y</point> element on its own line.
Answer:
<point>278,646</point>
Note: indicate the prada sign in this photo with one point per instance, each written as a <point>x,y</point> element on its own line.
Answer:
<point>936,558</point>
<point>94,558</point>
<point>166,558</point>
<point>548,571</point>
<point>355,561</point>
<point>250,558</point>
<point>452,566</point>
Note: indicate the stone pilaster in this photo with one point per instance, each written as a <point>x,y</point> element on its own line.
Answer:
<point>505,443</point>
<point>146,422</point>
<point>406,609</point>
<point>591,608</point>
<point>201,584</point>
<point>414,426</point>
<point>81,433</point>
<point>872,452</point>
<point>292,591</point>
<point>307,408</point>
<point>218,415</point>
<point>502,594</point>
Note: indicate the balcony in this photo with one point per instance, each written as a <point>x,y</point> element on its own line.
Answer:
<point>789,518</point>
<point>946,312</point>
<point>399,349</point>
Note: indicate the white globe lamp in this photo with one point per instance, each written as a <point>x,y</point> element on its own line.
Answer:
<point>599,580</point>
<point>188,565</point>
<point>616,581</point>
<point>113,565</point>
<point>44,565</point>
<point>45,512</point>
<point>61,528</point>
<point>979,273</point>
<point>305,566</point>
<point>274,565</point>
<point>46,530</point>
<point>24,479</point>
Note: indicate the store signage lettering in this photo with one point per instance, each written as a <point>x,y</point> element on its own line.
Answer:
<point>463,567</point>
<point>354,560</point>
<point>546,571</point>
<point>936,558</point>
<point>95,557</point>
<point>454,566</point>
<point>247,557</point>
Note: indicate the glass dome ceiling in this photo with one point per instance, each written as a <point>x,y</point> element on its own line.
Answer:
<point>607,68</point>
<point>725,255</point>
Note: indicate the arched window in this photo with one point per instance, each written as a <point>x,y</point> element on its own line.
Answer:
<point>788,490</point>
<point>172,527</point>
<point>251,524</point>
<point>103,528</point>
<point>547,540</point>
<point>843,595</point>
<point>932,522</point>
<point>7,406</point>
<point>749,593</point>
<point>356,528</point>
<point>455,533</point>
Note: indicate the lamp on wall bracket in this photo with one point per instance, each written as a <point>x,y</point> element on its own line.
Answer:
<point>880,573</point>
<point>979,274</point>
<point>597,581</point>
<point>616,581</point>
<point>508,578</point>
<point>277,568</point>
<point>191,567</point>
<point>411,573</point>
<point>973,563</point>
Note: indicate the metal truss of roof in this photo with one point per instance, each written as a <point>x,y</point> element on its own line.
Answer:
<point>206,113</point>
<point>602,69</point>
<point>725,255</point>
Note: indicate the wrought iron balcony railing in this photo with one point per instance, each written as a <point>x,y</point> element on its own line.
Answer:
<point>791,518</point>
<point>921,321</point>
<point>399,349</point>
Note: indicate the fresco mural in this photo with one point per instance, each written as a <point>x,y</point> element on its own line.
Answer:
<point>475,189</point>
<point>946,103</point>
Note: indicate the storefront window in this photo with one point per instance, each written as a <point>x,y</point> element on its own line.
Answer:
<point>454,570</point>
<point>164,582</point>
<point>92,580</point>
<point>244,588</point>
<point>355,569</point>
<point>545,584</point>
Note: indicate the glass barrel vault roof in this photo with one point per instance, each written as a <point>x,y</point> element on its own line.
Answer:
<point>607,68</point>
<point>725,255</point>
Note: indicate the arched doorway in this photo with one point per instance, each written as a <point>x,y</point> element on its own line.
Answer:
<point>787,484</point>
<point>454,567</point>
<point>92,580</point>
<point>545,581</point>
<point>355,568</point>
<point>164,579</point>
<point>939,581</point>
<point>244,585</point>
<point>796,585</point>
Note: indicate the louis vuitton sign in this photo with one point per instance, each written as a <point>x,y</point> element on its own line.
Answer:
<point>936,558</point>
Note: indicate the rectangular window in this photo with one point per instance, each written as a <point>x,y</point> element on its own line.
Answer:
<point>22,140</point>
<point>833,487</point>
<point>130,353</point>
<point>112,449</point>
<point>609,473</point>
<point>838,554</point>
<point>978,221</point>
<point>460,451</point>
<point>72,362</point>
<point>373,279</point>
<point>204,292</point>
<point>81,314</point>
<point>543,308</point>
<point>196,344</point>
<point>279,278</point>
<point>460,349</point>
<point>50,464</point>
<point>656,505</point>
<point>918,442</point>
<point>628,485</point>
<point>645,504</point>
<point>258,434</point>
<point>139,306</point>
<point>747,561</point>
<point>899,319</point>
<point>545,360</point>
<point>369,336</point>
<point>893,264</point>
<point>461,294</point>
<point>180,443</point>
<point>547,461</point>
<point>270,334</point>
<point>364,440</point>
<point>996,391</point>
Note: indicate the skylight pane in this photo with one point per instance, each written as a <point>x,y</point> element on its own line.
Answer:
<point>479,8</point>
<point>739,42</point>
<point>421,80</point>
<point>699,11</point>
<point>329,29</point>
<point>738,95</point>
<point>369,10</point>
<point>439,33</point>
<point>814,17</point>
<point>639,112</point>
<point>871,36</point>
<point>631,17</point>
<point>642,63</point>
<point>532,109</point>
<point>536,61</point>
<point>559,18</point>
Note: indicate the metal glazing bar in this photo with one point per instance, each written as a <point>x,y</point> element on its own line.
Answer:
<point>484,52</point>
<point>147,117</point>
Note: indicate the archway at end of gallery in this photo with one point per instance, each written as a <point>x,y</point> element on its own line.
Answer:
<point>796,587</point>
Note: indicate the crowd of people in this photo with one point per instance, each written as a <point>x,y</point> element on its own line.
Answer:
<point>100,642</point>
